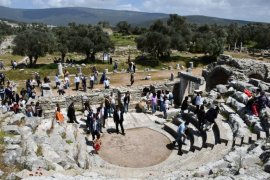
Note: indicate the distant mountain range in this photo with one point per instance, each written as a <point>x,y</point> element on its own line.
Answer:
<point>63,16</point>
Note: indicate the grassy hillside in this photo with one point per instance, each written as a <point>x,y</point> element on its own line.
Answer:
<point>63,16</point>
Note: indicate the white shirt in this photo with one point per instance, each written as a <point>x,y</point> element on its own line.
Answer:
<point>161,97</point>
<point>66,79</point>
<point>119,114</point>
<point>77,79</point>
<point>95,125</point>
<point>198,100</point>
<point>56,78</point>
<point>92,78</point>
<point>112,99</point>
<point>107,83</point>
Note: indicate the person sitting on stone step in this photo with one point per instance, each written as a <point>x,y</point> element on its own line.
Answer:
<point>59,115</point>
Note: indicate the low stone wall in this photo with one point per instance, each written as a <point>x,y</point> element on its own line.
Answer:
<point>96,98</point>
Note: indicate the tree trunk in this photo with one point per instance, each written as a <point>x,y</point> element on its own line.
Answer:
<point>63,55</point>
<point>234,46</point>
<point>35,61</point>
<point>30,61</point>
<point>93,57</point>
<point>87,56</point>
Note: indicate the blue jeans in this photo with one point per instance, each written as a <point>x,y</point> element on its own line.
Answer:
<point>2,95</point>
<point>154,108</point>
<point>126,107</point>
<point>161,105</point>
<point>109,111</point>
<point>165,113</point>
<point>113,108</point>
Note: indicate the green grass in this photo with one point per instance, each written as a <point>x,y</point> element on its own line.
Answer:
<point>120,40</point>
<point>69,141</point>
<point>39,151</point>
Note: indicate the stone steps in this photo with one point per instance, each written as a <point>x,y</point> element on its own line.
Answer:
<point>225,133</point>
<point>196,135</point>
<point>172,129</point>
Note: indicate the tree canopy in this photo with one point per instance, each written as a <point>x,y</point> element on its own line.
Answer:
<point>34,43</point>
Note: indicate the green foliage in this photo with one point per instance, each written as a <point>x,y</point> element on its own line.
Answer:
<point>147,61</point>
<point>69,141</point>
<point>64,135</point>
<point>89,40</point>
<point>120,40</point>
<point>124,27</point>
<point>39,151</point>
<point>33,43</point>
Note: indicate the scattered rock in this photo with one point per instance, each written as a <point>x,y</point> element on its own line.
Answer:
<point>11,129</point>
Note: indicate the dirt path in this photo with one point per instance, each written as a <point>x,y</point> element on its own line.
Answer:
<point>123,80</point>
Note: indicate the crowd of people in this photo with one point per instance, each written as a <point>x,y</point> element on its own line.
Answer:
<point>96,118</point>
<point>160,100</point>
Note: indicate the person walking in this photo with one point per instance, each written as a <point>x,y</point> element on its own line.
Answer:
<point>118,118</point>
<point>181,136</point>
<point>71,114</point>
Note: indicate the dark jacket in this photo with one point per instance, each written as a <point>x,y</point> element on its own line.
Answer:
<point>71,112</point>
<point>184,105</point>
<point>91,126</point>
<point>116,117</point>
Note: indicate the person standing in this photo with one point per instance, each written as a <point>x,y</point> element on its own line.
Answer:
<point>126,101</point>
<point>95,127</point>
<point>108,105</point>
<point>57,81</point>
<point>131,79</point>
<point>198,102</point>
<point>92,79</point>
<point>118,118</point>
<point>161,99</point>
<point>84,83</point>
<point>154,102</point>
<point>103,115</point>
<point>201,117</point>
<point>184,105</point>
<point>107,84</point>
<point>38,79</point>
<point>166,107</point>
<point>77,82</point>
<point>112,100</point>
<point>71,114</point>
<point>38,110</point>
<point>97,144</point>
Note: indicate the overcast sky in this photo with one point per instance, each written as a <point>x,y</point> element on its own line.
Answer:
<point>254,10</point>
